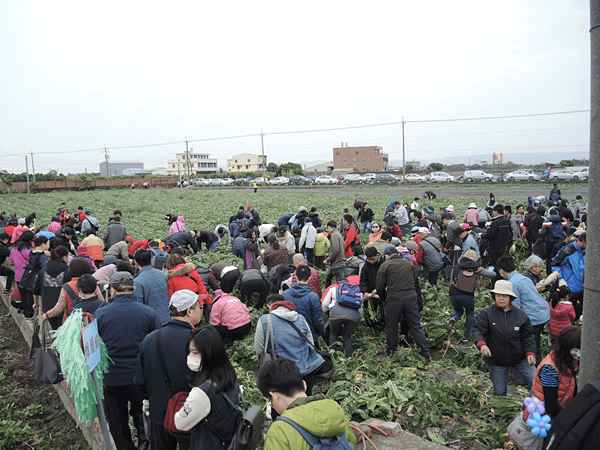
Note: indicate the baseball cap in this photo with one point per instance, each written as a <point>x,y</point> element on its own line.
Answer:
<point>183,299</point>
<point>423,230</point>
<point>119,277</point>
<point>390,250</point>
<point>129,239</point>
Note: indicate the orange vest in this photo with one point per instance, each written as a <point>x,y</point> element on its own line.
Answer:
<point>566,384</point>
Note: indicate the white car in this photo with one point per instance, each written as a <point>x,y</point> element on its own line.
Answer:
<point>414,178</point>
<point>201,182</point>
<point>583,174</point>
<point>279,181</point>
<point>353,178</point>
<point>564,175</point>
<point>326,179</point>
<point>522,175</point>
<point>472,175</point>
<point>440,177</point>
<point>368,177</point>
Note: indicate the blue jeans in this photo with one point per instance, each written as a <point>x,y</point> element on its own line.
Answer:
<point>367,226</point>
<point>464,303</point>
<point>110,260</point>
<point>499,376</point>
<point>405,230</point>
<point>213,246</point>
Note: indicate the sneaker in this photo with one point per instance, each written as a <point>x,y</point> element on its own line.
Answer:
<point>465,340</point>
<point>451,323</point>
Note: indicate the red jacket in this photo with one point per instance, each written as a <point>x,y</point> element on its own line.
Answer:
<point>184,276</point>
<point>395,231</point>
<point>350,239</point>
<point>560,317</point>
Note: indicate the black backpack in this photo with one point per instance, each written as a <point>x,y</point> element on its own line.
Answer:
<point>577,426</point>
<point>160,258</point>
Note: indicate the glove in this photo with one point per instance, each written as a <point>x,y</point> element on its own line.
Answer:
<point>487,224</point>
<point>457,248</point>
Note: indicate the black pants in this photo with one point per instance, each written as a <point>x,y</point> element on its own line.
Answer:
<point>310,256</point>
<point>338,274</point>
<point>342,327</point>
<point>228,280</point>
<point>9,274</point>
<point>26,302</point>
<point>236,333</point>
<point>394,309</point>
<point>161,439</point>
<point>432,276</point>
<point>250,287</point>
<point>577,300</point>
<point>537,332</point>
<point>116,402</point>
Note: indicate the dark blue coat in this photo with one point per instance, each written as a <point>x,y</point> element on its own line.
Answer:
<point>309,305</point>
<point>148,374</point>
<point>123,325</point>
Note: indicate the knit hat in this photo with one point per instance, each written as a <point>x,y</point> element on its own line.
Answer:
<point>466,226</point>
<point>412,246</point>
<point>470,255</point>
<point>390,250</point>
<point>302,208</point>
<point>504,287</point>
<point>492,196</point>
<point>21,221</point>
<point>82,250</point>
<point>249,207</point>
<point>129,239</point>
<point>541,210</point>
<point>183,299</point>
<point>429,210</point>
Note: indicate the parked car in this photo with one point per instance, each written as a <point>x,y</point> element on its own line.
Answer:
<point>299,180</point>
<point>258,180</point>
<point>564,175</point>
<point>440,177</point>
<point>386,178</point>
<point>353,178</point>
<point>522,175</point>
<point>278,181</point>
<point>415,178</point>
<point>326,179</point>
<point>368,177</point>
<point>583,174</point>
<point>473,175</point>
<point>201,182</point>
<point>240,182</point>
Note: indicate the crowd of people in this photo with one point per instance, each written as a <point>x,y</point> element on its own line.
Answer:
<point>315,277</point>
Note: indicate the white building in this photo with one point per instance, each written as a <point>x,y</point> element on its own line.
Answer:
<point>117,168</point>
<point>247,162</point>
<point>197,163</point>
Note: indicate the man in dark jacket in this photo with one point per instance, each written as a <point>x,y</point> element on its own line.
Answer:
<point>396,287</point>
<point>499,236</point>
<point>336,259</point>
<point>123,325</point>
<point>5,271</point>
<point>208,238</point>
<point>535,225</point>
<point>368,276</point>
<point>251,281</point>
<point>186,313</point>
<point>255,221</point>
<point>115,232</point>
<point>182,239</point>
<point>66,237</point>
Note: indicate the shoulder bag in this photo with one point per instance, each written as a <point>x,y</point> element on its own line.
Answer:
<point>47,364</point>
<point>265,356</point>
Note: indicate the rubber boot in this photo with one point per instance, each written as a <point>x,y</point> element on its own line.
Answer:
<point>138,423</point>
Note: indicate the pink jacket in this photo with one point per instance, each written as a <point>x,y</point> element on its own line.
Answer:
<point>228,311</point>
<point>471,216</point>
<point>19,260</point>
<point>17,232</point>
<point>54,227</point>
<point>178,225</point>
<point>560,317</point>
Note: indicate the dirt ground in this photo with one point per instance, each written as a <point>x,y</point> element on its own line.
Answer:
<point>28,402</point>
<point>500,190</point>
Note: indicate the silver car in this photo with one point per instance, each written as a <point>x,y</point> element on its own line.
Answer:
<point>522,175</point>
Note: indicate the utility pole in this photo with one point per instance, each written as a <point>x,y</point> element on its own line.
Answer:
<point>27,170</point>
<point>262,143</point>
<point>187,160</point>
<point>590,336</point>
<point>32,166</point>
<point>106,159</point>
<point>403,153</point>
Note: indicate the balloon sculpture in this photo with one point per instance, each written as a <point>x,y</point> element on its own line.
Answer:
<point>538,421</point>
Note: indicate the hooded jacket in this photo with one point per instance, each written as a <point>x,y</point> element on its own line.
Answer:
<point>286,341</point>
<point>570,263</point>
<point>336,251</point>
<point>529,299</point>
<point>319,416</point>
<point>308,236</point>
<point>553,230</point>
<point>228,311</point>
<point>178,225</point>
<point>431,253</point>
<point>576,209</point>
<point>499,235</point>
<point>184,276</point>
<point>560,317</point>
<point>309,305</point>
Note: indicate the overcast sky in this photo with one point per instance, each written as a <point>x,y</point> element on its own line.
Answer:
<point>76,76</point>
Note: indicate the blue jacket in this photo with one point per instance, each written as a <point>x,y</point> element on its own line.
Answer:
<point>308,305</point>
<point>152,289</point>
<point>553,230</point>
<point>570,263</point>
<point>529,299</point>
<point>123,325</point>
<point>288,343</point>
<point>148,374</point>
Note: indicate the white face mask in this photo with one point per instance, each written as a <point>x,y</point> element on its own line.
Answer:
<point>194,363</point>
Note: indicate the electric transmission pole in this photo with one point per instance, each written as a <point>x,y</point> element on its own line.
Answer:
<point>262,143</point>
<point>106,160</point>
<point>32,167</point>
<point>27,171</point>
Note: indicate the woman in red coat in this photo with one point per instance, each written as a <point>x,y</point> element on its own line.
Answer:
<point>182,275</point>
<point>350,236</point>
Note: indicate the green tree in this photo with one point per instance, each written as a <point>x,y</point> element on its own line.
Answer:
<point>410,167</point>
<point>434,167</point>
<point>567,163</point>
<point>290,168</point>
<point>273,168</point>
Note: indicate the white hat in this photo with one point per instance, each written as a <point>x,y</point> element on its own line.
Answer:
<point>504,287</point>
<point>424,230</point>
<point>183,299</point>
<point>450,208</point>
<point>473,205</point>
